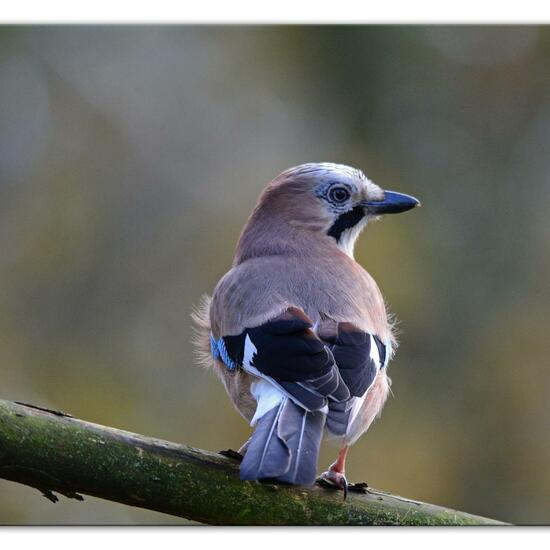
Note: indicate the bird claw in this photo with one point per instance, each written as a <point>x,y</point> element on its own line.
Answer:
<point>362,487</point>
<point>334,480</point>
<point>230,453</point>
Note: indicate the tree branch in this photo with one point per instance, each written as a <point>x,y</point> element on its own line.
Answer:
<point>53,452</point>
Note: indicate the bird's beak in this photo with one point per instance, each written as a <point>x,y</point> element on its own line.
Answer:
<point>392,203</point>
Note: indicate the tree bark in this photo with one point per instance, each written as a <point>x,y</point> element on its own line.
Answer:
<point>55,453</point>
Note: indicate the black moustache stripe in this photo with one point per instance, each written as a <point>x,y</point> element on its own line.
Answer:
<point>347,220</point>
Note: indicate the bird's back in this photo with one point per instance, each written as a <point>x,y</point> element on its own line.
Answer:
<point>325,287</point>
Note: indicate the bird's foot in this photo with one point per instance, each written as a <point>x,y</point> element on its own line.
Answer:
<point>230,453</point>
<point>361,487</point>
<point>334,480</point>
<point>337,480</point>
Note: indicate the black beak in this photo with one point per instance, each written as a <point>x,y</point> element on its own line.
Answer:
<point>392,203</point>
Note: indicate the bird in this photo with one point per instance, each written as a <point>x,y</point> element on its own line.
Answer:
<point>297,330</point>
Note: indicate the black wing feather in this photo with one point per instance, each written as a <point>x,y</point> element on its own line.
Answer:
<point>289,353</point>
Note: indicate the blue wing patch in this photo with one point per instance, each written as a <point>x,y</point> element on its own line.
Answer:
<point>228,349</point>
<point>219,351</point>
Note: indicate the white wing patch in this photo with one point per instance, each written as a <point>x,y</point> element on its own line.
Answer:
<point>389,352</point>
<point>358,401</point>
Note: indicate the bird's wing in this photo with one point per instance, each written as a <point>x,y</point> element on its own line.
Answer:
<point>360,356</point>
<point>286,353</point>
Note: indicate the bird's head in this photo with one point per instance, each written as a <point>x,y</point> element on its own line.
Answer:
<point>332,200</point>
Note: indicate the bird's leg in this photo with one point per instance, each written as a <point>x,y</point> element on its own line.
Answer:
<point>336,474</point>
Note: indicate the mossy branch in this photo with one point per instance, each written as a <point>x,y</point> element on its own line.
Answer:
<point>55,453</point>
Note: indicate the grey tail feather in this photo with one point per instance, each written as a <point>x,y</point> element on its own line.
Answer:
<point>285,445</point>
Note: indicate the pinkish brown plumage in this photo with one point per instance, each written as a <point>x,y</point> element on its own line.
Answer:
<point>297,330</point>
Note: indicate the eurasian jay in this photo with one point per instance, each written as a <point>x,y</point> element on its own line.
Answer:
<point>297,330</point>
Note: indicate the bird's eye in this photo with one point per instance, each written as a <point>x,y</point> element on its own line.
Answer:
<point>338,194</point>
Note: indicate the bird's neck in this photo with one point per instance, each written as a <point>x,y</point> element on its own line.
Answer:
<point>280,237</point>
<point>273,239</point>
<point>275,229</point>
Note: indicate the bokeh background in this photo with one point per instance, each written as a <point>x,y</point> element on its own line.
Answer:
<point>130,158</point>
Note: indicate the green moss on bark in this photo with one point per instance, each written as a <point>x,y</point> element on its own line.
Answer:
<point>56,453</point>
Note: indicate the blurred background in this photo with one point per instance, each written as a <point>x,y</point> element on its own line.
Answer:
<point>130,158</point>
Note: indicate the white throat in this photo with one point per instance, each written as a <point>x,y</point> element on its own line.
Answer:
<point>346,242</point>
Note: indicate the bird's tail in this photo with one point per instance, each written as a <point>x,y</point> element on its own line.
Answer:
<point>285,445</point>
